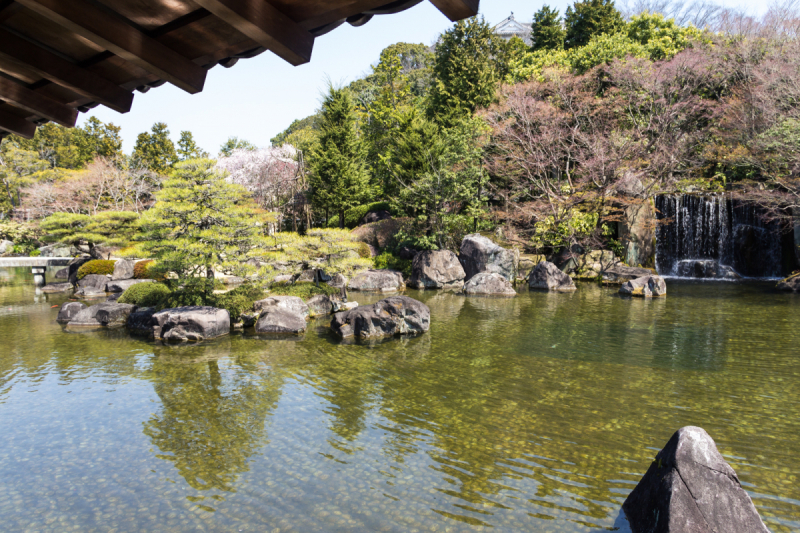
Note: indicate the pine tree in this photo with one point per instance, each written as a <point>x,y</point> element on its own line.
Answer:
<point>588,18</point>
<point>547,32</point>
<point>155,150</point>
<point>339,177</point>
<point>200,222</point>
<point>464,69</point>
<point>235,143</point>
<point>188,149</point>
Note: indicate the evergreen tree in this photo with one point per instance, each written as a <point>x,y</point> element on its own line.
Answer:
<point>155,150</point>
<point>235,143</point>
<point>200,222</point>
<point>465,74</point>
<point>547,32</point>
<point>188,149</point>
<point>97,139</point>
<point>588,18</point>
<point>339,177</point>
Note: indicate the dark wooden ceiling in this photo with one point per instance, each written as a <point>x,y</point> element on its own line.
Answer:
<point>59,57</point>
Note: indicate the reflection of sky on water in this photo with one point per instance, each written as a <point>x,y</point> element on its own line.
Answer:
<point>538,413</point>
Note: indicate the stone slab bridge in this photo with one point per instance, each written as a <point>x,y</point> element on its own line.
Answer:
<point>38,265</point>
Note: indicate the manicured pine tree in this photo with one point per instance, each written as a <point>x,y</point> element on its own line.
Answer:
<point>465,74</point>
<point>339,177</point>
<point>587,18</point>
<point>547,32</point>
<point>200,222</point>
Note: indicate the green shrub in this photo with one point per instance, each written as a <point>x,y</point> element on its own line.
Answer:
<point>390,261</point>
<point>19,233</point>
<point>146,270</point>
<point>364,251</point>
<point>353,216</point>
<point>239,300</point>
<point>102,267</point>
<point>304,290</point>
<point>145,294</point>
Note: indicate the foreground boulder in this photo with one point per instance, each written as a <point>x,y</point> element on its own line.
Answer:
<point>93,281</point>
<point>646,286</point>
<point>280,321</point>
<point>792,283</point>
<point>68,311</point>
<point>479,254</point>
<point>338,280</point>
<point>62,273</point>
<point>320,305</point>
<point>547,276</point>
<point>689,488</point>
<point>294,304</point>
<point>122,286</point>
<point>396,315</point>
<point>378,281</point>
<point>141,322</point>
<point>123,269</point>
<point>489,284</point>
<point>436,269</point>
<point>106,314</point>
<point>191,323</point>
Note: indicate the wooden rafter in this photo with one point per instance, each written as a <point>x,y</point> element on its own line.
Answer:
<point>60,71</point>
<point>38,104</point>
<point>113,34</point>
<point>267,26</point>
<point>457,9</point>
<point>15,124</point>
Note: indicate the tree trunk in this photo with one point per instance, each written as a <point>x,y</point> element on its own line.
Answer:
<point>341,219</point>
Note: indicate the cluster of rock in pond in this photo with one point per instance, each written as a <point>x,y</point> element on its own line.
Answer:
<point>481,269</point>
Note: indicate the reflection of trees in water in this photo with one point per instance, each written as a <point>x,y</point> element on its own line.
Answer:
<point>212,417</point>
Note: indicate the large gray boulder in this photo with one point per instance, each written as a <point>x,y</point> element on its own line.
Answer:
<point>280,321</point>
<point>689,488</point>
<point>293,304</point>
<point>549,277</point>
<point>377,281</point>
<point>123,285</point>
<point>62,273</point>
<point>6,247</point>
<point>436,269</point>
<point>123,269</point>
<point>489,284</point>
<point>93,281</point>
<point>338,280</point>
<point>191,324</point>
<point>792,283</point>
<point>57,250</point>
<point>68,311</point>
<point>57,287</point>
<point>479,254</point>
<point>396,315</point>
<point>104,314</point>
<point>320,305</point>
<point>646,286</point>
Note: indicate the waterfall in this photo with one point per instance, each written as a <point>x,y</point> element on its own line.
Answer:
<point>713,236</point>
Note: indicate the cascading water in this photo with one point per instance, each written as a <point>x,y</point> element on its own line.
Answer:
<point>715,237</point>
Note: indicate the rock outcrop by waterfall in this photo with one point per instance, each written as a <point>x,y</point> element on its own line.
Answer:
<point>714,236</point>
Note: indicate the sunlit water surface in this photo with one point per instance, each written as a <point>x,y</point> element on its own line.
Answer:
<point>538,413</point>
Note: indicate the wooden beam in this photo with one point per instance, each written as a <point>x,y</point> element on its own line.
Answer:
<point>61,72</point>
<point>15,124</point>
<point>339,13</point>
<point>457,9</point>
<point>36,103</point>
<point>113,34</point>
<point>267,26</point>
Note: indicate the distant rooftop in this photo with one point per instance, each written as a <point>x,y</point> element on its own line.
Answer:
<point>511,27</point>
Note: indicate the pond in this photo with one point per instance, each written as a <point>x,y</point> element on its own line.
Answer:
<point>538,413</point>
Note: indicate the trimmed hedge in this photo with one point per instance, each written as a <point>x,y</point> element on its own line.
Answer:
<point>102,267</point>
<point>145,294</point>
<point>144,270</point>
<point>353,216</point>
<point>303,290</point>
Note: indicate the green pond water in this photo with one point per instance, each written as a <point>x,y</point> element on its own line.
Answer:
<point>538,413</point>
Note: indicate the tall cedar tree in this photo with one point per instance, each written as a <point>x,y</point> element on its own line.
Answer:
<point>547,32</point>
<point>188,149</point>
<point>200,222</point>
<point>155,150</point>
<point>339,177</point>
<point>464,69</point>
<point>586,19</point>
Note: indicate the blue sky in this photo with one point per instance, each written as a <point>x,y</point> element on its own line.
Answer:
<point>257,98</point>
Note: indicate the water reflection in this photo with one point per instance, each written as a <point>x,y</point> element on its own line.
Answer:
<point>536,413</point>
